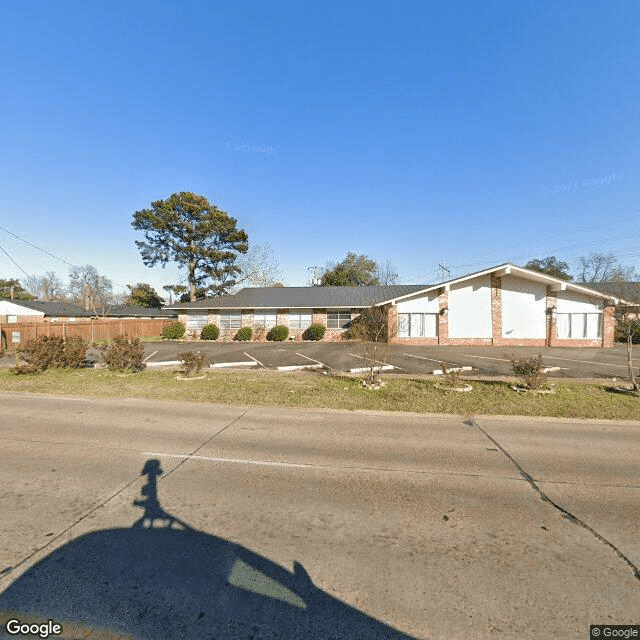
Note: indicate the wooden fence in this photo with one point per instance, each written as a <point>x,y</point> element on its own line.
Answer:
<point>16,333</point>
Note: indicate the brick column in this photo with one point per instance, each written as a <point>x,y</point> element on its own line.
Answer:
<point>443,317</point>
<point>608,327</point>
<point>496,310</point>
<point>392,321</point>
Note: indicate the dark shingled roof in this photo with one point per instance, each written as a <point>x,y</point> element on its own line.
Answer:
<point>66,309</point>
<point>304,297</point>
<point>124,310</point>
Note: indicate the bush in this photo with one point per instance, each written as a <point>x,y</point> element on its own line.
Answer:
<point>75,352</point>
<point>173,331</point>
<point>124,353</point>
<point>243,334</point>
<point>259,332</point>
<point>315,332</point>
<point>278,333</point>
<point>210,332</point>
<point>530,371</point>
<point>43,353</point>
<point>192,361</point>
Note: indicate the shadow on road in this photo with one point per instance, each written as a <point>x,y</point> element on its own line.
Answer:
<point>161,579</point>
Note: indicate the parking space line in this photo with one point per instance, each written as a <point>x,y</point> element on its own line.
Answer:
<point>486,358</point>
<point>595,364</point>
<point>312,359</point>
<point>384,364</point>
<point>431,359</point>
<point>258,361</point>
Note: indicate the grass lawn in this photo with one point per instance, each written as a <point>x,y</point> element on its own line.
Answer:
<point>301,389</point>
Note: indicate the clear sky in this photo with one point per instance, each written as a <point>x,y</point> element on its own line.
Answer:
<point>416,132</point>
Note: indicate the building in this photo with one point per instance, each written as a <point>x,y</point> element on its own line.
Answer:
<point>503,305</point>
<point>17,311</point>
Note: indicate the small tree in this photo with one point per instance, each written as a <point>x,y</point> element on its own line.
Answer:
<point>143,295</point>
<point>354,270</point>
<point>192,361</point>
<point>373,331</point>
<point>551,266</point>
<point>626,311</point>
<point>13,290</point>
<point>530,370</point>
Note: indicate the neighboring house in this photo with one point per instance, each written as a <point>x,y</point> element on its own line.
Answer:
<point>503,305</point>
<point>13,311</point>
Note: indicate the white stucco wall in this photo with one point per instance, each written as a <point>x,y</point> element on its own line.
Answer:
<point>572,302</point>
<point>523,308</point>
<point>427,303</point>
<point>470,308</point>
<point>9,308</point>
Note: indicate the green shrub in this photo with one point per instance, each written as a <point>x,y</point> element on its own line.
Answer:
<point>75,352</point>
<point>124,353</point>
<point>314,332</point>
<point>173,331</point>
<point>192,361</point>
<point>243,334</point>
<point>530,371</point>
<point>278,333</point>
<point>210,332</point>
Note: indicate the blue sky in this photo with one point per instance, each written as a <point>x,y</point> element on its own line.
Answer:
<point>467,132</point>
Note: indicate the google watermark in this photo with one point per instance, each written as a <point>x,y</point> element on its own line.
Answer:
<point>250,148</point>
<point>42,630</point>
<point>586,183</point>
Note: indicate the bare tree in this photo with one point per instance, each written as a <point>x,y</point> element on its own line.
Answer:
<point>93,291</point>
<point>387,273</point>
<point>46,287</point>
<point>602,267</point>
<point>373,331</point>
<point>259,267</point>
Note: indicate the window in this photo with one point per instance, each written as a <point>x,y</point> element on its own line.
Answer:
<point>230,319</point>
<point>72,319</point>
<point>196,321</point>
<point>15,337</point>
<point>300,318</point>
<point>54,319</point>
<point>338,319</point>
<point>264,317</point>
<point>579,325</point>
<point>417,325</point>
<point>12,319</point>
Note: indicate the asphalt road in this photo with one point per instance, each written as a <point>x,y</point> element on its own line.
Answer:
<point>485,361</point>
<point>295,523</point>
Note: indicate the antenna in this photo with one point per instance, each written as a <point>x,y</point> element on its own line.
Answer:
<point>443,268</point>
<point>315,278</point>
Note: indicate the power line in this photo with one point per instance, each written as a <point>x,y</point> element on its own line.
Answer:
<point>14,262</point>
<point>75,266</point>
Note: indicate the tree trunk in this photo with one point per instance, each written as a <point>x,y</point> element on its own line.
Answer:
<point>192,280</point>
<point>634,382</point>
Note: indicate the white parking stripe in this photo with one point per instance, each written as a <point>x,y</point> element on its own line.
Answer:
<point>312,359</point>
<point>258,361</point>
<point>384,364</point>
<point>595,364</point>
<point>430,359</point>
<point>486,358</point>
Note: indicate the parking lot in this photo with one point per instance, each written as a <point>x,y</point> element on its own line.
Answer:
<point>400,359</point>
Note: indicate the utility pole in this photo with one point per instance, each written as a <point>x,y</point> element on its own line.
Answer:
<point>12,292</point>
<point>315,278</point>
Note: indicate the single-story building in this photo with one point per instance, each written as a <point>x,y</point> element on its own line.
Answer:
<point>14,311</point>
<point>503,305</point>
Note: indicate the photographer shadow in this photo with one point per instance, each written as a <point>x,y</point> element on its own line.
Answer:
<point>162,579</point>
